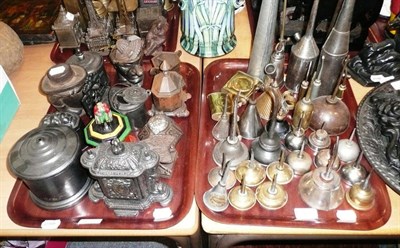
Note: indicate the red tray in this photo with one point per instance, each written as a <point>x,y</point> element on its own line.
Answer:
<point>215,76</point>
<point>170,44</point>
<point>24,212</point>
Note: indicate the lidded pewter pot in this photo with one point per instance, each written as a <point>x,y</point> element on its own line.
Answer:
<point>47,160</point>
<point>63,84</point>
<point>126,177</point>
<point>130,101</point>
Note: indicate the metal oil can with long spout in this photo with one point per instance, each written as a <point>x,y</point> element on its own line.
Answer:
<point>303,53</point>
<point>335,49</point>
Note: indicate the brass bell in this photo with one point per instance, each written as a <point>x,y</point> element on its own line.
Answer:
<point>271,195</point>
<point>283,172</point>
<point>361,196</point>
<point>254,171</point>
<point>242,197</point>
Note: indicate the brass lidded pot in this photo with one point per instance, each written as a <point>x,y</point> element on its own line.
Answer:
<point>47,160</point>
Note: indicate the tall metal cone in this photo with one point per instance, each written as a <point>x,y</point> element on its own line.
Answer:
<point>336,48</point>
<point>302,54</point>
<point>264,39</point>
<point>250,124</point>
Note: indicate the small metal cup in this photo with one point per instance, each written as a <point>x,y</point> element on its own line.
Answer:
<point>216,103</point>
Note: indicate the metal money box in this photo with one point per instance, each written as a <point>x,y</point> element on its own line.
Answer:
<point>126,176</point>
<point>97,81</point>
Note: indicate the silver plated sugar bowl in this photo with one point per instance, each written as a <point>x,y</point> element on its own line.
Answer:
<point>47,160</point>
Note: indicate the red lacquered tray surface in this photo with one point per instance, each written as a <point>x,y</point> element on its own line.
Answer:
<point>24,212</point>
<point>215,76</point>
<point>170,44</point>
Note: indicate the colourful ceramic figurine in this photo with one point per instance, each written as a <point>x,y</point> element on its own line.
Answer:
<point>208,26</point>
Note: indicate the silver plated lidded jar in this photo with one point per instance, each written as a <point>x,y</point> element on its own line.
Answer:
<point>127,180</point>
<point>47,160</point>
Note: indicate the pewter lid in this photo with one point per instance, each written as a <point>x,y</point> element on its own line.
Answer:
<point>62,77</point>
<point>91,61</point>
<point>43,152</point>
<point>135,95</point>
<point>119,159</point>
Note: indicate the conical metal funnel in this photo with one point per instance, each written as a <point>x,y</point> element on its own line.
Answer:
<point>250,125</point>
<point>336,48</point>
